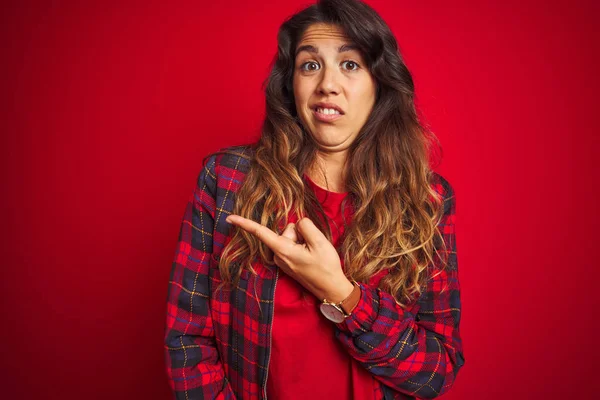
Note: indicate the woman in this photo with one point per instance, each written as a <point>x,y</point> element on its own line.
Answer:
<point>320,262</point>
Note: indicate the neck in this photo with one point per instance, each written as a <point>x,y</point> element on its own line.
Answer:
<point>328,171</point>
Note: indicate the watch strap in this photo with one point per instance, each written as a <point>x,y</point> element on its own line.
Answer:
<point>349,303</point>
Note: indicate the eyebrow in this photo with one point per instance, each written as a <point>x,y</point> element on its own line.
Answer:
<point>312,49</point>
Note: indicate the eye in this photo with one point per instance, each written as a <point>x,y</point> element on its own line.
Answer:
<point>352,66</point>
<point>309,66</point>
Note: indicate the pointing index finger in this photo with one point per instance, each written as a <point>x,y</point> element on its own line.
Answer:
<point>261,232</point>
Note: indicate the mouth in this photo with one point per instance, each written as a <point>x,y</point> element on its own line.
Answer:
<point>327,113</point>
<point>325,117</point>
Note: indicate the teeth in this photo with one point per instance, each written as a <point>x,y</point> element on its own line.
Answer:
<point>327,111</point>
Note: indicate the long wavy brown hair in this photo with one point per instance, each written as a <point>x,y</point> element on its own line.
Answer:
<point>396,209</point>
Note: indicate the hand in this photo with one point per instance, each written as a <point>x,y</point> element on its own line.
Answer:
<point>315,263</point>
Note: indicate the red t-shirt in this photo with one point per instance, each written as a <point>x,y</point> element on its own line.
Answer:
<point>307,361</point>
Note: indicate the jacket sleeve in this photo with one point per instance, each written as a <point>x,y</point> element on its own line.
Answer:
<point>193,366</point>
<point>417,355</point>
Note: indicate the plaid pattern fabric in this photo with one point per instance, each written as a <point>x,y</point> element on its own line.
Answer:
<point>217,340</point>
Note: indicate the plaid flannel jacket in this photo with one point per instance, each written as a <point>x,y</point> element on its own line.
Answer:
<point>217,342</point>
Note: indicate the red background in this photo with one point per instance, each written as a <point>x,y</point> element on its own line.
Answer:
<point>108,108</point>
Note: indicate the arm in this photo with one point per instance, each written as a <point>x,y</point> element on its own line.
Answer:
<point>193,365</point>
<point>420,354</point>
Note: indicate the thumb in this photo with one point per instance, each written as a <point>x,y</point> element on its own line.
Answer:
<point>290,232</point>
<point>309,231</point>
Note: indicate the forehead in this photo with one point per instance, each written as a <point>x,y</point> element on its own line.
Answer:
<point>322,32</point>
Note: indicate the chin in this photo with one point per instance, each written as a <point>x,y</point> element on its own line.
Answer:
<point>331,144</point>
<point>329,137</point>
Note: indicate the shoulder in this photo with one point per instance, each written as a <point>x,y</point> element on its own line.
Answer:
<point>234,158</point>
<point>442,186</point>
<point>227,167</point>
<point>229,160</point>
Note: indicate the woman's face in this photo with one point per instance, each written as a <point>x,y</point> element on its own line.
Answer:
<point>333,89</point>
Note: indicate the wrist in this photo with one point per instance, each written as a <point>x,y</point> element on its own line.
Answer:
<point>349,303</point>
<point>339,292</point>
<point>337,311</point>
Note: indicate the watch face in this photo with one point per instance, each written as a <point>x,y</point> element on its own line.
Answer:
<point>332,313</point>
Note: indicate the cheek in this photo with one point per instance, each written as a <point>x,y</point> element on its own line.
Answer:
<point>300,96</point>
<point>303,89</point>
<point>365,95</point>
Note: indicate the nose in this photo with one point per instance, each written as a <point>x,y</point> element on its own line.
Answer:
<point>329,83</point>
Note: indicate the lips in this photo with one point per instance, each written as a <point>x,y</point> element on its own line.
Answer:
<point>328,105</point>
<point>326,117</point>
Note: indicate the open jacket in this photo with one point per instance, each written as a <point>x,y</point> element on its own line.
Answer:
<point>217,342</point>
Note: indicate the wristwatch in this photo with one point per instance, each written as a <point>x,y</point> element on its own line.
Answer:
<point>339,312</point>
